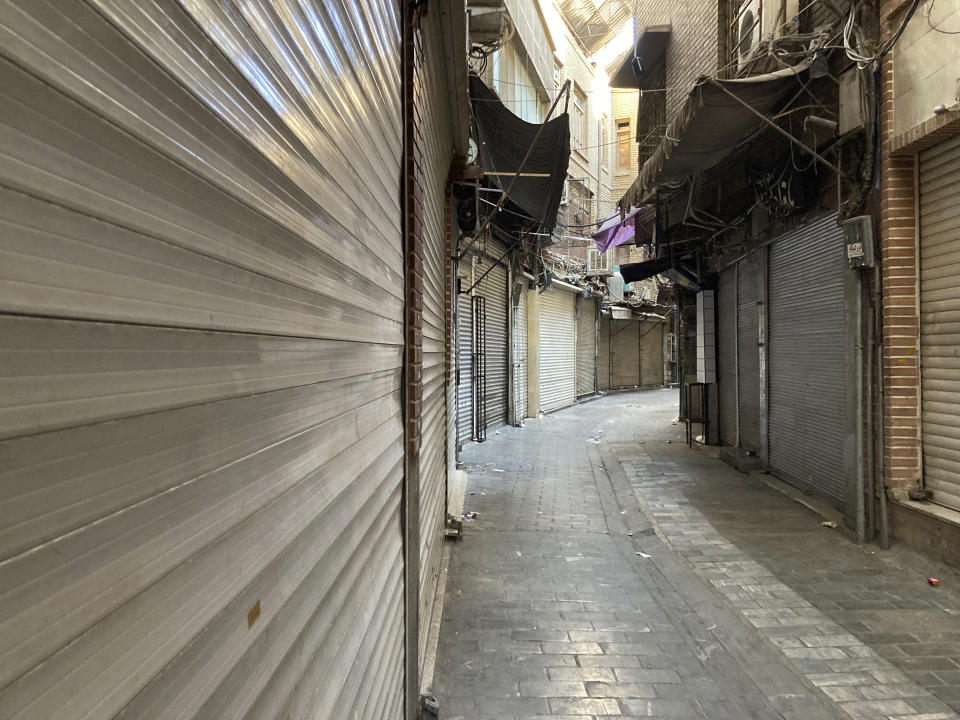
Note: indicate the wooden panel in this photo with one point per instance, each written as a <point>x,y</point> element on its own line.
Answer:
<point>201,308</point>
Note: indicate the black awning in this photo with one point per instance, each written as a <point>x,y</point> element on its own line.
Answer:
<point>635,272</point>
<point>714,120</point>
<point>635,65</point>
<point>503,141</point>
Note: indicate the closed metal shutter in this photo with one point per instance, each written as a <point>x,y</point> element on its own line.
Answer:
<point>464,365</point>
<point>494,288</point>
<point>201,307</point>
<point>586,347</point>
<point>558,358</point>
<point>748,355</point>
<point>651,354</point>
<point>520,358</point>
<point>807,357</point>
<point>603,354</point>
<point>940,319</point>
<point>624,353</point>
<point>436,137</point>
<point>727,354</point>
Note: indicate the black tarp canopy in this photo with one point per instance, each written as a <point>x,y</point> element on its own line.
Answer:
<point>503,141</point>
<point>714,120</point>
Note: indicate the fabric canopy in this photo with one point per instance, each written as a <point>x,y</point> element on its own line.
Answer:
<point>709,126</point>
<point>614,231</point>
<point>504,140</point>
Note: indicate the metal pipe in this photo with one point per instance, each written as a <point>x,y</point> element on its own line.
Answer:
<point>859,422</point>
<point>870,469</point>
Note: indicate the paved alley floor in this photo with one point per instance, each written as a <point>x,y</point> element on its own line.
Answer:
<point>613,571</point>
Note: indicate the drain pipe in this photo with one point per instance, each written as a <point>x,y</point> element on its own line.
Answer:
<point>870,470</point>
<point>858,390</point>
<point>884,527</point>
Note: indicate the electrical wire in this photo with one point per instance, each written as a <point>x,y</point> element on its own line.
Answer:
<point>928,12</point>
<point>850,28</point>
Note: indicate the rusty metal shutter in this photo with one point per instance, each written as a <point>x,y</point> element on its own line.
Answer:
<point>494,288</point>
<point>807,357</point>
<point>520,358</point>
<point>586,347</point>
<point>727,354</point>
<point>201,307</point>
<point>624,354</point>
<point>558,363</point>
<point>940,319</point>
<point>464,365</point>
<point>748,356</point>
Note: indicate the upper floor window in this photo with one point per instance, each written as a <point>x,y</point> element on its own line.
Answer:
<point>578,120</point>
<point>624,147</point>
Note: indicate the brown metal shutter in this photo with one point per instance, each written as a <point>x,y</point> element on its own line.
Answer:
<point>748,356</point>
<point>586,347</point>
<point>624,354</point>
<point>807,357</point>
<point>557,349</point>
<point>727,354</point>
<point>201,306</point>
<point>520,358</point>
<point>493,287</point>
<point>940,319</point>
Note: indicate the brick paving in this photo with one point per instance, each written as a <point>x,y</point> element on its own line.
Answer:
<point>614,573</point>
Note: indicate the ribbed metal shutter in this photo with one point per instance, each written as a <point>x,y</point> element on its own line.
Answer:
<point>624,354</point>
<point>940,319</point>
<point>651,354</point>
<point>748,356</point>
<point>520,358</point>
<point>807,357</point>
<point>586,347</point>
<point>603,354</point>
<point>727,354</point>
<point>435,130</point>
<point>494,288</point>
<point>558,357</point>
<point>464,365</point>
<point>201,306</point>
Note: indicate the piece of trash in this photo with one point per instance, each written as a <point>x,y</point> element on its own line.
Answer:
<point>498,470</point>
<point>829,523</point>
<point>934,582</point>
<point>669,441</point>
<point>644,555</point>
<point>712,627</point>
<point>473,493</point>
<point>593,440</point>
<point>484,494</point>
<point>519,554</point>
<point>629,534</point>
<point>472,515</point>
<point>459,593</point>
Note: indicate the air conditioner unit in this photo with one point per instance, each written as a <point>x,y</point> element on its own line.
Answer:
<point>615,288</point>
<point>748,31</point>
<point>599,263</point>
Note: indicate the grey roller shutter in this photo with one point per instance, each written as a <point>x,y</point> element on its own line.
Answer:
<point>557,349</point>
<point>748,355</point>
<point>464,365</point>
<point>493,287</point>
<point>651,354</point>
<point>586,347</point>
<point>624,354</point>
<point>940,319</point>
<point>727,354</point>
<point>201,306</point>
<point>603,354</point>
<point>520,358</point>
<point>807,357</point>
<point>436,137</point>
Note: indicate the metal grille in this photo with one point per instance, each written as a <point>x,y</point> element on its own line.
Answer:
<point>586,347</point>
<point>807,357</point>
<point>748,356</point>
<point>727,354</point>
<point>478,362</point>
<point>940,319</point>
<point>558,363</point>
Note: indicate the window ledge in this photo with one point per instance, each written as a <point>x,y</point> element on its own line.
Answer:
<point>941,513</point>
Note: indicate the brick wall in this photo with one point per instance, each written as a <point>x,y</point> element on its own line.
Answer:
<point>900,296</point>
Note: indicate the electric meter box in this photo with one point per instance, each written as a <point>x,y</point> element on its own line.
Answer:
<point>858,236</point>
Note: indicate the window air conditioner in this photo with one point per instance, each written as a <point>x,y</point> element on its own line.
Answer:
<point>615,288</point>
<point>599,263</point>
<point>748,31</point>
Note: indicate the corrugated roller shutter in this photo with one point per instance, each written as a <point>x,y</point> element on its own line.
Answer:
<point>940,319</point>
<point>651,354</point>
<point>464,365</point>
<point>624,353</point>
<point>202,323</point>
<point>727,354</point>
<point>558,357</point>
<point>586,347</point>
<point>807,357</point>
<point>603,354</point>
<point>431,98</point>
<point>520,357</point>
<point>494,288</point>
<point>748,355</point>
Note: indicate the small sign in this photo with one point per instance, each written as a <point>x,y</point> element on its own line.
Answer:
<point>854,250</point>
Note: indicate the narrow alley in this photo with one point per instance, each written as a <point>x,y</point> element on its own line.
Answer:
<point>613,571</point>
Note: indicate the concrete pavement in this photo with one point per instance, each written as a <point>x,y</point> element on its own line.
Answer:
<point>614,572</point>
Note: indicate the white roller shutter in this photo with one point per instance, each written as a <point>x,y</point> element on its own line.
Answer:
<point>201,313</point>
<point>807,357</point>
<point>558,358</point>
<point>464,365</point>
<point>727,354</point>
<point>520,358</point>
<point>586,347</point>
<point>493,287</point>
<point>940,319</point>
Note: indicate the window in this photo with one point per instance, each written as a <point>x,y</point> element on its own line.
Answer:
<point>578,119</point>
<point>604,146</point>
<point>624,148</point>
